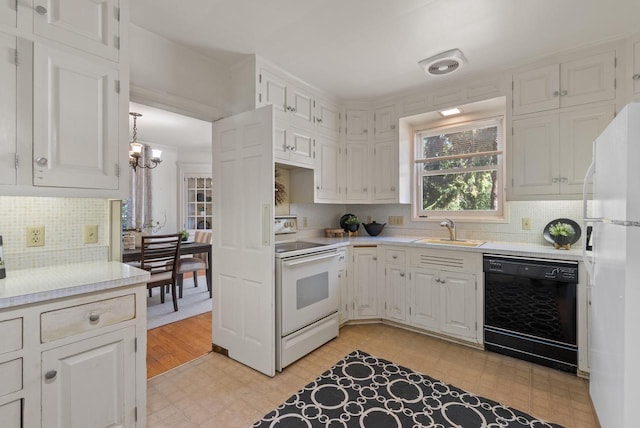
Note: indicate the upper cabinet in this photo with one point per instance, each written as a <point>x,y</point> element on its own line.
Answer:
<point>385,123</point>
<point>8,110</point>
<point>581,81</point>
<point>88,25</point>
<point>357,126</point>
<point>328,117</point>
<point>9,13</point>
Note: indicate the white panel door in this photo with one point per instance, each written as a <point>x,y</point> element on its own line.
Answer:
<point>424,299</point>
<point>328,167</point>
<point>243,266</point>
<point>395,292</point>
<point>458,303</point>
<point>535,160</point>
<point>89,25</point>
<point>357,126</point>
<point>588,80</point>
<point>385,172</point>
<point>90,383</point>
<point>357,171</point>
<point>8,109</point>
<point>75,113</point>
<point>536,90</point>
<point>327,117</point>
<point>384,119</point>
<point>578,131</point>
<point>365,273</point>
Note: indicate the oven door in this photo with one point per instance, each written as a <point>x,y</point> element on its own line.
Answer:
<point>308,289</point>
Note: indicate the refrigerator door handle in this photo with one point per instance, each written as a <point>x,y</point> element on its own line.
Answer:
<point>585,185</point>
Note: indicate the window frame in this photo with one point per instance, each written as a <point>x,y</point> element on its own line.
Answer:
<point>497,216</point>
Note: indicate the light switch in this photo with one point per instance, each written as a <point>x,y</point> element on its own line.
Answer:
<point>90,234</point>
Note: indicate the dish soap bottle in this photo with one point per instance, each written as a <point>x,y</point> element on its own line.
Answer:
<point>3,273</point>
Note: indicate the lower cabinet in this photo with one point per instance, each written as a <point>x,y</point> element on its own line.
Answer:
<point>458,304</point>
<point>365,282</point>
<point>395,292</point>
<point>424,298</point>
<point>343,286</point>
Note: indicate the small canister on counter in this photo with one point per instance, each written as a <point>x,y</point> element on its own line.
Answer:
<point>3,272</point>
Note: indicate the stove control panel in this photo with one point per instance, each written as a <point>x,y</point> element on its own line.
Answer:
<point>285,224</point>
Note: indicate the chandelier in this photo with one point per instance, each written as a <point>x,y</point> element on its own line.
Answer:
<point>135,150</point>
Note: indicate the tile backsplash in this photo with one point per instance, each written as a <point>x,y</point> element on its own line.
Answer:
<point>63,220</point>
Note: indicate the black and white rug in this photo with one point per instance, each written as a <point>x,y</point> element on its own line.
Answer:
<point>365,391</point>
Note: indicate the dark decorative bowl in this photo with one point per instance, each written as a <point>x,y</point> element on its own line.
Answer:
<point>374,228</point>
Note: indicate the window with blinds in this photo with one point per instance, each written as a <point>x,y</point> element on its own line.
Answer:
<point>459,170</point>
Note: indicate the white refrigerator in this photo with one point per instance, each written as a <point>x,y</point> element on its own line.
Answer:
<point>614,271</point>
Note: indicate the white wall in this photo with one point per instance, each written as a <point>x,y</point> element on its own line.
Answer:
<point>164,190</point>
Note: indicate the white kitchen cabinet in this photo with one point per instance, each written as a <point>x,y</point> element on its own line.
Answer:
<point>357,124</point>
<point>9,13</point>
<point>385,173</point>
<point>424,298</point>
<point>635,76</point>
<point>329,170</point>
<point>365,282</point>
<point>75,116</point>
<point>458,304</point>
<point>88,25</point>
<point>551,153</point>
<point>328,118</point>
<point>581,81</point>
<point>357,171</point>
<point>8,110</point>
<point>385,123</point>
<point>90,382</point>
<point>343,284</point>
<point>395,284</point>
<point>11,414</point>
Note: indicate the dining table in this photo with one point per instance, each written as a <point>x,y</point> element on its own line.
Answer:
<point>186,248</point>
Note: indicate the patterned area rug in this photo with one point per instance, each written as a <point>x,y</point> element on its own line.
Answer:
<point>365,391</point>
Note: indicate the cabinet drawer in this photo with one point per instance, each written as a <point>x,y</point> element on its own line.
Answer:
<point>11,414</point>
<point>396,257</point>
<point>11,334</point>
<point>11,375</point>
<point>66,322</point>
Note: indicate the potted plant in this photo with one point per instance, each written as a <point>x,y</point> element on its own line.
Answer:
<point>352,224</point>
<point>184,234</point>
<point>561,234</point>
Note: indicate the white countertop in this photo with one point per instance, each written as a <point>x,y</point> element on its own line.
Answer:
<point>502,248</point>
<point>26,286</point>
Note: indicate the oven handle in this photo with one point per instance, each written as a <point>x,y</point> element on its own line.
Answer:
<point>309,260</point>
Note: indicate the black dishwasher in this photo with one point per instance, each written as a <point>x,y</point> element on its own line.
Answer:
<point>530,310</point>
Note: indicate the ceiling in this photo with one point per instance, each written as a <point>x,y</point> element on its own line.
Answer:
<point>362,49</point>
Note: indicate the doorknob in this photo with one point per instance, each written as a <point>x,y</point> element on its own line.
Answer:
<point>41,161</point>
<point>51,374</point>
<point>41,10</point>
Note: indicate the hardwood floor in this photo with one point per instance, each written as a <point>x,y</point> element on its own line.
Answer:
<point>174,344</point>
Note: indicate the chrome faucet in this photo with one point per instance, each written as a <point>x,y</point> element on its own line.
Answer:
<point>451,227</point>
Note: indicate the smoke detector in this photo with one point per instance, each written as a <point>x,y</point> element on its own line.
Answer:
<point>443,63</point>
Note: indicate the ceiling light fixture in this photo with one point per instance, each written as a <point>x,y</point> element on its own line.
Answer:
<point>450,112</point>
<point>443,63</point>
<point>135,150</point>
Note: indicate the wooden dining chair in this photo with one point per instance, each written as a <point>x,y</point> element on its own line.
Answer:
<point>159,254</point>
<point>196,263</point>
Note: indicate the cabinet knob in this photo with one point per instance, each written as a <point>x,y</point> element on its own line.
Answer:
<point>393,127</point>
<point>41,10</point>
<point>364,131</point>
<point>319,120</point>
<point>41,161</point>
<point>437,279</point>
<point>402,274</point>
<point>636,76</point>
<point>339,275</point>
<point>554,180</point>
<point>395,256</point>
<point>94,317</point>
<point>563,93</point>
<point>365,189</point>
<point>442,281</point>
<point>51,374</point>
<point>556,93</point>
<point>564,180</point>
<point>375,258</point>
<point>393,189</point>
<point>317,187</point>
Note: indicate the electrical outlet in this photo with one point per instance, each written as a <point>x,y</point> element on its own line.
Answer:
<point>90,235</point>
<point>526,223</point>
<point>391,220</point>
<point>35,236</point>
<point>304,222</point>
<point>368,219</point>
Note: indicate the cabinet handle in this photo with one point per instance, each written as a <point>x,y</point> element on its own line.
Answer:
<point>41,161</point>
<point>442,281</point>
<point>375,258</point>
<point>636,76</point>
<point>437,279</point>
<point>365,190</point>
<point>564,180</point>
<point>339,275</point>
<point>94,317</point>
<point>51,374</point>
<point>554,180</point>
<point>41,10</point>
<point>563,93</point>
<point>317,187</point>
<point>319,120</point>
<point>394,256</point>
<point>364,131</point>
<point>393,127</point>
<point>556,93</point>
<point>402,274</point>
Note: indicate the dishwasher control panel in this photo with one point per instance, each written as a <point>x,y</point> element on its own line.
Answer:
<point>532,268</point>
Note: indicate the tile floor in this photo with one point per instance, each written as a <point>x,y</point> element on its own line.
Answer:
<point>215,391</point>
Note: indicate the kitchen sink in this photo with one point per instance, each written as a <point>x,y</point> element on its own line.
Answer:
<point>446,241</point>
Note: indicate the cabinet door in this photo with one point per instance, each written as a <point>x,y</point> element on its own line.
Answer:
<point>280,142</point>
<point>8,13</point>
<point>458,304</point>
<point>536,90</point>
<point>578,130</point>
<point>384,119</point>
<point>75,113</point>
<point>90,383</point>
<point>395,292</point>
<point>588,80</point>
<point>365,282</point>
<point>357,171</point>
<point>424,298</point>
<point>11,414</point>
<point>300,146</point>
<point>535,156</point>
<point>327,118</point>
<point>328,170</point>
<point>357,126</point>
<point>300,107</point>
<point>385,173</point>
<point>8,109</point>
<point>89,25</point>
<point>273,90</point>
<point>636,68</point>
<point>343,312</point>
